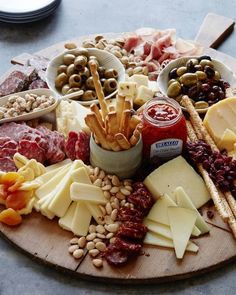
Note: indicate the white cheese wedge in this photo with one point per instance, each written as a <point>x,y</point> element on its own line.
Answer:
<point>81,175</point>
<point>95,211</point>
<point>141,80</point>
<point>158,228</point>
<point>48,186</point>
<point>127,89</point>
<point>66,221</point>
<point>87,193</point>
<point>227,140</point>
<point>80,112</point>
<point>158,240</point>
<point>143,95</point>
<point>183,200</point>
<point>81,219</point>
<point>182,221</point>
<point>58,165</point>
<point>48,175</point>
<point>62,200</point>
<point>174,173</point>
<point>29,185</point>
<point>159,212</point>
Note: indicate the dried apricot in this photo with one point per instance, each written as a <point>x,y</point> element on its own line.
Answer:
<point>3,192</point>
<point>18,199</point>
<point>10,217</point>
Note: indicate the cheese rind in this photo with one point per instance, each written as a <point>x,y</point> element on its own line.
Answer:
<point>174,173</point>
<point>87,193</point>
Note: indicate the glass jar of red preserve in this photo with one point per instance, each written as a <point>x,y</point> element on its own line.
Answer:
<point>164,130</point>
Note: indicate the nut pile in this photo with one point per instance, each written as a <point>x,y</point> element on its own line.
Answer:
<point>102,234</point>
<point>17,105</point>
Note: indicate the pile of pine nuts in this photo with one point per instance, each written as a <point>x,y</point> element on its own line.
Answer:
<point>115,191</point>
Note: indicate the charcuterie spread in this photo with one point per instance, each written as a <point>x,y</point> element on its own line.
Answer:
<point>127,172</point>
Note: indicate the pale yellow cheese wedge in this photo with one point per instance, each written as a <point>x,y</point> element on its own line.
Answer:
<point>81,219</point>
<point>174,173</point>
<point>58,165</point>
<point>227,140</point>
<point>143,95</point>
<point>182,221</point>
<point>66,221</point>
<point>141,80</point>
<point>87,193</point>
<point>158,240</point>
<point>183,200</point>
<point>48,175</point>
<point>95,211</point>
<point>159,212</point>
<point>158,228</point>
<point>81,175</point>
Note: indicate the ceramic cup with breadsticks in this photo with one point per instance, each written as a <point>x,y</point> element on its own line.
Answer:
<point>115,131</point>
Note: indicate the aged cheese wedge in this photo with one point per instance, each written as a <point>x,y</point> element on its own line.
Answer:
<point>66,221</point>
<point>143,95</point>
<point>47,187</point>
<point>159,212</point>
<point>182,221</point>
<point>127,89</point>
<point>87,193</point>
<point>58,165</point>
<point>95,212</point>
<point>227,140</point>
<point>81,219</point>
<point>158,228</point>
<point>62,200</point>
<point>48,175</point>
<point>174,173</point>
<point>141,80</point>
<point>158,240</point>
<point>81,175</point>
<point>80,113</point>
<point>183,200</point>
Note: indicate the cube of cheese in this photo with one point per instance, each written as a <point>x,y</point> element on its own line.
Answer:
<point>141,80</point>
<point>127,89</point>
<point>227,140</point>
<point>143,95</point>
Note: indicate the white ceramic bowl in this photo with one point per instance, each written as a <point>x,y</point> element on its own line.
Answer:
<point>163,79</point>
<point>124,163</point>
<point>105,59</point>
<point>31,115</point>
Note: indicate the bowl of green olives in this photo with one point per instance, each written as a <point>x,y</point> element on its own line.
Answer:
<point>68,74</point>
<point>203,79</point>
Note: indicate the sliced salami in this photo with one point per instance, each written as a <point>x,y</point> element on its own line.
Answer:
<point>10,144</point>
<point>7,152</point>
<point>115,257</point>
<point>70,145</point>
<point>31,150</point>
<point>38,84</point>
<point>3,140</point>
<point>82,147</point>
<point>7,164</point>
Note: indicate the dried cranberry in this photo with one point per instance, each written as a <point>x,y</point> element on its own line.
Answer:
<point>209,72</point>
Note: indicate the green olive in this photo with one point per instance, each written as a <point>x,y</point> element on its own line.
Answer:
<point>101,72</point>
<point>65,89</point>
<point>89,83</point>
<point>111,73</point>
<point>89,95</point>
<point>71,70</point>
<point>172,81</point>
<point>201,75</point>
<point>102,81</point>
<point>217,75</point>
<point>181,70</point>
<point>85,74</point>
<point>68,58</point>
<point>188,79</point>
<point>201,104</point>
<point>81,51</point>
<point>75,80</point>
<point>62,69</point>
<point>80,62</point>
<point>174,89</point>
<point>110,85</point>
<point>206,62</point>
<point>192,61</point>
<point>61,80</point>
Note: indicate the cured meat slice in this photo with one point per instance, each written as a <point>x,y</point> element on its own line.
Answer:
<point>10,144</point>
<point>7,152</point>
<point>115,257</point>
<point>82,147</point>
<point>15,82</point>
<point>70,145</point>
<point>7,165</point>
<point>131,248</point>
<point>31,150</point>
<point>38,84</point>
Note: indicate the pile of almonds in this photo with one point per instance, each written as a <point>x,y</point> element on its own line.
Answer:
<point>99,236</point>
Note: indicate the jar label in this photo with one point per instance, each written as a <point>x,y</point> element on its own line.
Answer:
<point>166,148</point>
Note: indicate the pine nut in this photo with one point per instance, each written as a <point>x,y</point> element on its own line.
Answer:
<point>92,178</point>
<point>109,176</point>
<point>93,252</point>
<point>129,188</point>
<point>120,196</point>
<point>74,241</point>
<point>78,253</point>
<point>124,191</point>
<point>101,236</point>
<point>91,236</point>
<point>72,248</point>
<point>107,182</point>
<point>82,242</point>
<point>127,182</point>
<point>108,208</point>
<point>114,214</point>
<point>114,190</point>
<point>112,240</point>
<point>109,236</point>
<point>102,209</point>
<point>112,199</point>
<point>123,202</point>
<point>98,182</point>
<point>92,228</point>
<point>96,171</point>
<point>101,174</point>
<point>100,229</point>
<point>100,246</point>
<point>108,219</point>
<point>97,262</point>
<point>112,228</point>
<point>115,180</point>
<point>107,187</point>
<point>107,195</point>
<point>97,240</point>
<point>90,246</point>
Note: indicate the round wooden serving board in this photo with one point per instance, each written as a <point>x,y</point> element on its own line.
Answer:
<point>45,241</point>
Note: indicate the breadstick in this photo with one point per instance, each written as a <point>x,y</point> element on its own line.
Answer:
<point>113,143</point>
<point>112,109</point>
<point>134,121</point>
<point>94,108</point>
<point>113,126</point>
<point>135,137</point>
<point>93,123</point>
<point>127,104</point>
<point>124,124</point>
<point>122,141</point>
<point>120,100</point>
<point>98,88</point>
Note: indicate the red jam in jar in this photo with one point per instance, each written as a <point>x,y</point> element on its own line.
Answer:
<point>164,130</point>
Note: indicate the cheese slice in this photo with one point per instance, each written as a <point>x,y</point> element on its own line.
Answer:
<point>66,221</point>
<point>159,212</point>
<point>143,95</point>
<point>58,165</point>
<point>48,175</point>
<point>227,140</point>
<point>95,211</point>
<point>141,80</point>
<point>80,112</point>
<point>81,175</point>
<point>158,240</point>
<point>81,220</point>
<point>62,200</point>
<point>182,221</point>
<point>158,228</point>
<point>87,193</point>
<point>127,89</point>
<point>47,187</point>
<point>183,200</point>
<point>174,173</point>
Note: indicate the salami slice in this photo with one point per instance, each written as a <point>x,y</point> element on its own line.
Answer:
<point>15,82</point>
<point>7,152</point>
<point>38,84</point>
<point>10,144</point>
<point>3,140</point>
<point>31,150</point>
<point>7,164</point>
<point>82,147</point>
<point>70,145</point>
<point>115,257</point>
